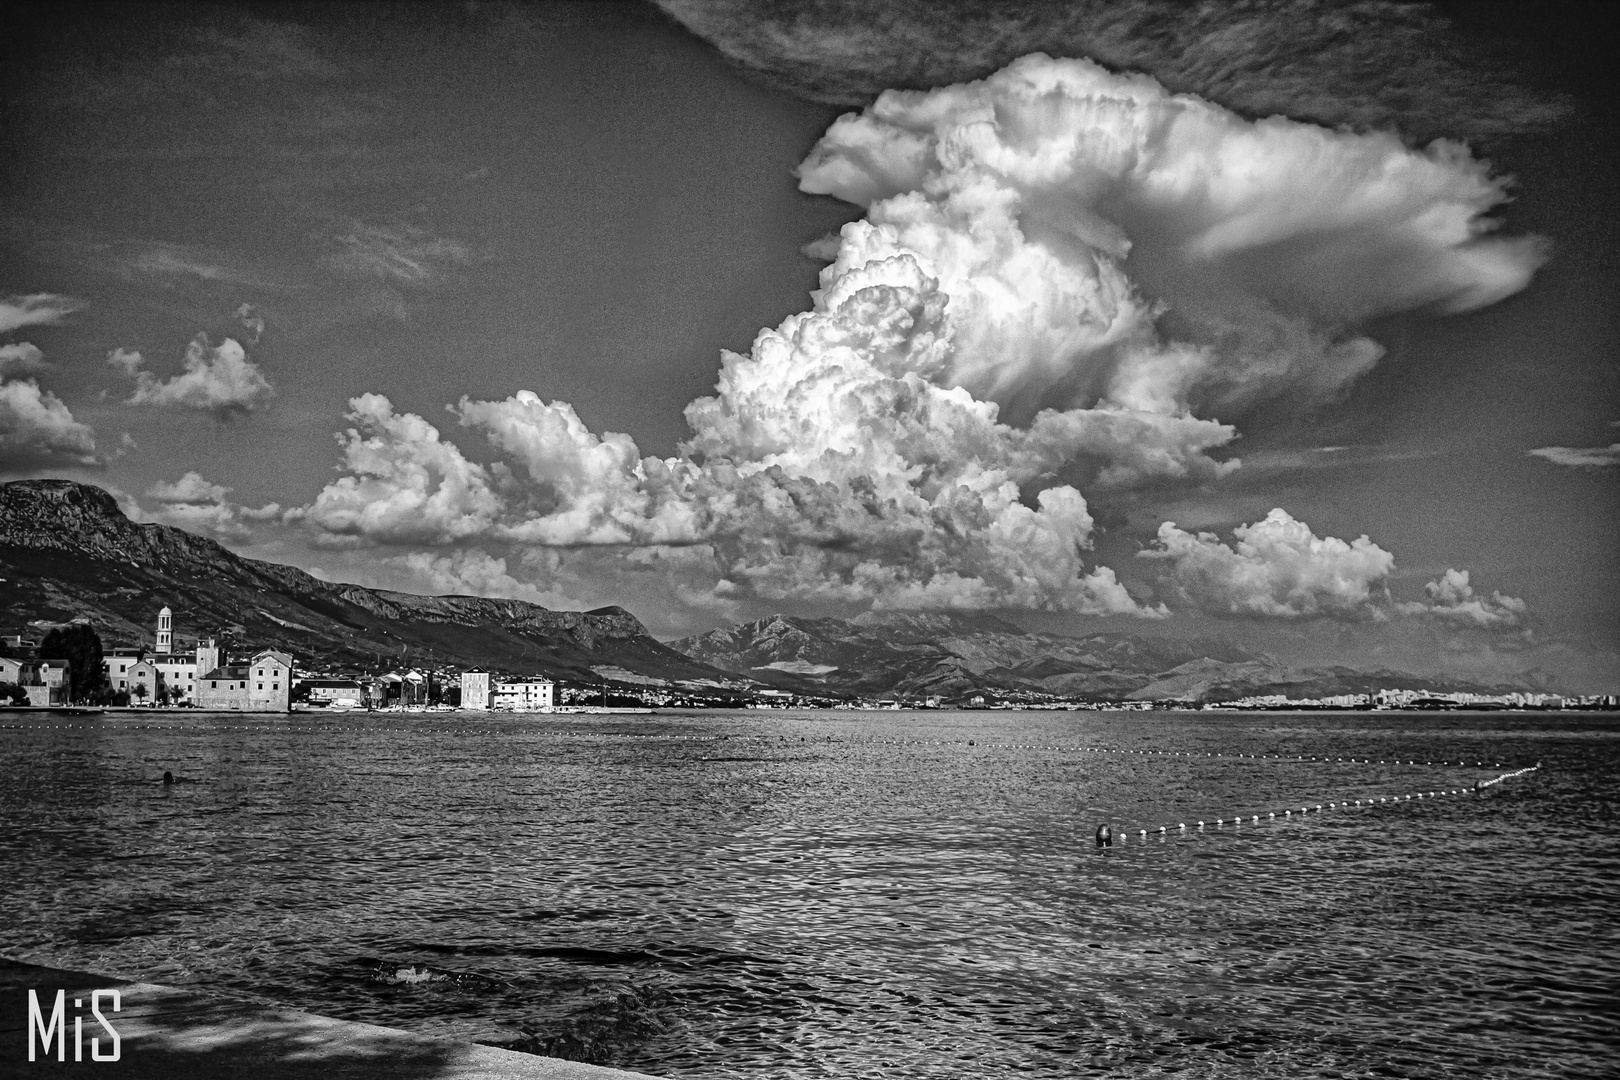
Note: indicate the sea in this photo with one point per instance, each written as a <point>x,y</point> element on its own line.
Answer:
<point>795,894</point>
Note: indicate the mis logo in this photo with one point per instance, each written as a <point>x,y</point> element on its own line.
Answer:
<point>57,1027</point>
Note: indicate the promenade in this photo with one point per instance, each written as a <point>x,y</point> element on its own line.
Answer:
<point>170,1033</point>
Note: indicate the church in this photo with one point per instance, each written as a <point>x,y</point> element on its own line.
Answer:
<point>202,677</point>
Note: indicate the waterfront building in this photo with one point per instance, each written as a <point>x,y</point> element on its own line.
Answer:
<point>47,682</point>
<point>340,693</point>
<point>143,681</point>
<point>475,689</point>
<point>523,695</point>
<point>263,684</point>
<point>177,672</point>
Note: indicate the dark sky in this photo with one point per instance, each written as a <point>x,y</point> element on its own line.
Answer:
<point>282,208</point>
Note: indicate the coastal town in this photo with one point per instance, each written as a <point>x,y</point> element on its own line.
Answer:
<point>206,673</point>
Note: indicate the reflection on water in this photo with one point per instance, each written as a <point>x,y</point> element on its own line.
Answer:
<point>809,895</point>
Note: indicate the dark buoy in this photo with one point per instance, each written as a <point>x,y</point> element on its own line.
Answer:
<point>168,778</point>
<point>1105,836</point>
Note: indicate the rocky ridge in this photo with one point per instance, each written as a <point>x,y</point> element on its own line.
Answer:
<point>68,551</point>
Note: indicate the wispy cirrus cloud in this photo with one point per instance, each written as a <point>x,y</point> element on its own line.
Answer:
<point>1579,457</point>
<point>36,309</point>
<point>400,254</point>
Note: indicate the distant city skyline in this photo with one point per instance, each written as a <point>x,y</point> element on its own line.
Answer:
<point>1150,317</point>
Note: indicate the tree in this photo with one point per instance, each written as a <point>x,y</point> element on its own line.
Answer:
<point>138,691</point>
<point>80,646</point>
<point>13,694</point>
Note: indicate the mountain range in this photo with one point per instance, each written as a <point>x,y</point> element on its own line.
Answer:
<point>951,655</point>
<point>67,551</point>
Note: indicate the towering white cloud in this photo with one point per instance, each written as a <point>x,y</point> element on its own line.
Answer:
<point>1062,278</point>
<point>1278,569</point>
<point>1030,193</point>
<point>219,380</point>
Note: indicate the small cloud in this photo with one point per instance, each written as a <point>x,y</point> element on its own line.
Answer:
<point>1452,600</point>
<point>1576,457</point>
<point>126,360</point>
<point>190,488</point>
<point>21,358</point>
<point>1278,569</point>
<point>196,505</point>
<point>822,248</point>
<point>218,380</point>
<point>37,429</point>
<point>36,309</point>
<point>252,321</point>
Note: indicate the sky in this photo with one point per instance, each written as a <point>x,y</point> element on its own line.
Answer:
<point>1289,323</point>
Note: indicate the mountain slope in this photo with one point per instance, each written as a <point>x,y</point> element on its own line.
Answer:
<point>66,550</point>
<point>948,654</point>
<point>951,655</point>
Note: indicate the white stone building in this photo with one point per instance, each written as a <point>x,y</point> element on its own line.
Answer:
<point>263,684</point>
<point>522,695</point>
<point>475,689</point>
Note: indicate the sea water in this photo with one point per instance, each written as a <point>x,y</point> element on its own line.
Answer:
<point>836,894</point>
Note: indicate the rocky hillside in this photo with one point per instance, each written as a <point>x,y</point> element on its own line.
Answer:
<point>66,550</point>
<point>951,655</point>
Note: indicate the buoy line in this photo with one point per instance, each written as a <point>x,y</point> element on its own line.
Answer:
<point>1107,835</point>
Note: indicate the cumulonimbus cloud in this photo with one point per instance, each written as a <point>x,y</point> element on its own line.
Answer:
<point>219,380</point>
<point>1277,568</point>
<point>977,354</point>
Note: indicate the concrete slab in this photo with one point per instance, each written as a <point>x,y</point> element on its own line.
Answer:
<point>173,1033</point>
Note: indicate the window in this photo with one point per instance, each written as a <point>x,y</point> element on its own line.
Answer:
<point>261,673</point>
<point>261,685</point>
<point>213,686</point>
<point>275,686</point>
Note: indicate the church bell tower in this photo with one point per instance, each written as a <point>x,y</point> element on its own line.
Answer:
<point>165,640</point>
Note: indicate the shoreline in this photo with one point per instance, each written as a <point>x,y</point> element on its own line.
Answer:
<point>177,1033</point>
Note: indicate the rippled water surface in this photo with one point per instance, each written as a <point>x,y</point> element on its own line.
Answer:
<point>853,894</point>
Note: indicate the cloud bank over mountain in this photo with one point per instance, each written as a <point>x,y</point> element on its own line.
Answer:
<point>1064,279</point>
